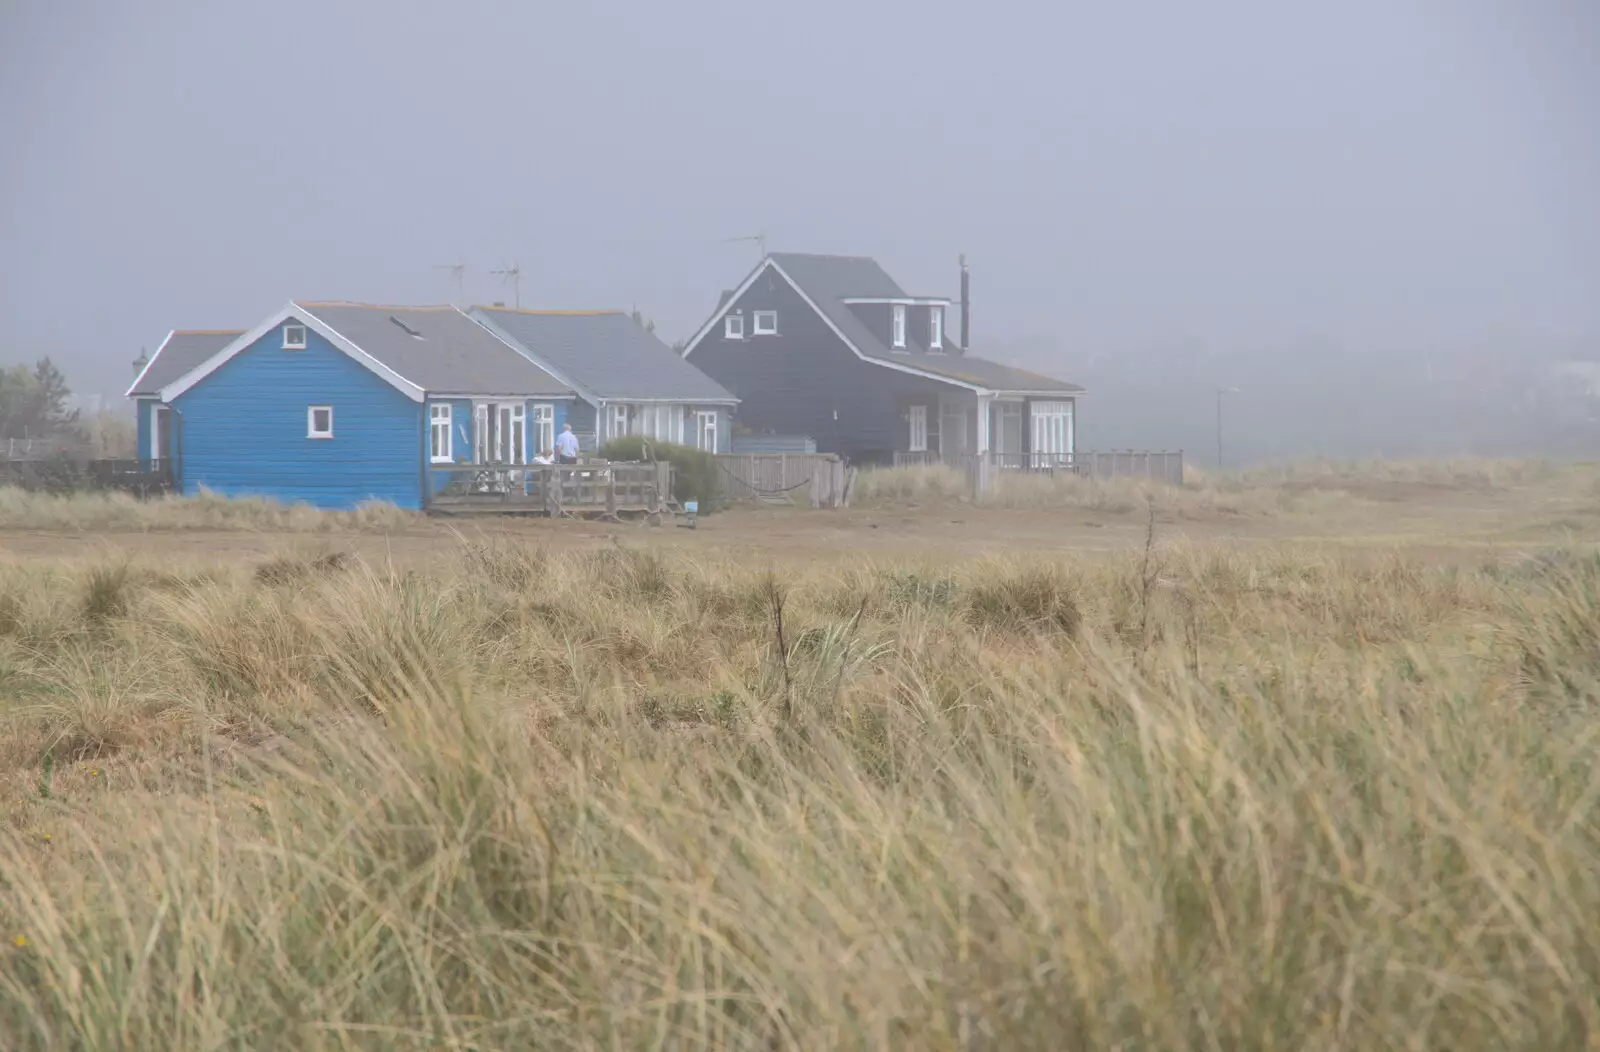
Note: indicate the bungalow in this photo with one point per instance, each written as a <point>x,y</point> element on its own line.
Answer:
<point>832,347</point>
<point>335,404</point>
<point>628,382</point>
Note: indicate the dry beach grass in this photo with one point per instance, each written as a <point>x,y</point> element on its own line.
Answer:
<point>1185,796</point>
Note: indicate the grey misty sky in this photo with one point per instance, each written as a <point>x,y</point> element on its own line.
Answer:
<point>1121,175</point>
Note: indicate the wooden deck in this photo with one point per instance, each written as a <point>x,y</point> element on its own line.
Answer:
<point>536,489</point>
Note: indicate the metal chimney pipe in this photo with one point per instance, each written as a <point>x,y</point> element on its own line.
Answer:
<point>966,306</point>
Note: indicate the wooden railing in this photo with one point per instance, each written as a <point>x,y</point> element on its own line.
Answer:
<point>1161,465</point>
<point>549,489</point>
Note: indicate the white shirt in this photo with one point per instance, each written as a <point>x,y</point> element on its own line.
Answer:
<point>567,444</point>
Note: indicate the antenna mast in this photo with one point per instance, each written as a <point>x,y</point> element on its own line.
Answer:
<point>512,275</point>
<point>458,273</point>
<point>760,240</point>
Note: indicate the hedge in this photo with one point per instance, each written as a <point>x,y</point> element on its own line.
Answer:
<point>694,471</point>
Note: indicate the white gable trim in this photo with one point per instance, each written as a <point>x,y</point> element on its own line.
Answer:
<point>527,352</point>
<point>292,312</point>
<point>137,380</point>
<point>732,299</point>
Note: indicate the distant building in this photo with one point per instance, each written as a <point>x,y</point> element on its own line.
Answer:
<point>831,347</point>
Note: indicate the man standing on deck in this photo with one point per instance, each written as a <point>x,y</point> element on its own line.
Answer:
<point>566,446</point>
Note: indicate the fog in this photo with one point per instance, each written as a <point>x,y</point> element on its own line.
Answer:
<point>1378,219</point>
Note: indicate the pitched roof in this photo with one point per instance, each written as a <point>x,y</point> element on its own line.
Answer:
<point>605,354</point>
<point>439,349</point>
<point>182,350</point>
<point>829,280</point>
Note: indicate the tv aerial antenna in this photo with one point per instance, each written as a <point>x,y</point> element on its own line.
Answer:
<point>511,275</point>
<point>760,240</point>
<point>458,273</point>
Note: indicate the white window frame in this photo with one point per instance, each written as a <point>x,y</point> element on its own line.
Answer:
<point>441,421</point>
<point>1052,429</point>
<point>311,421</point>
<point>936,327</point>
<point>897,326</point>
<point>733,327</point>
<point>619,420</point>
<point>917,426</point>
<point>766,323</point>
<point>294,337</point>
<point>705,426</point>
<point>544,424</point>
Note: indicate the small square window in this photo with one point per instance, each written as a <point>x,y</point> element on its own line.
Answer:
<point>294,337</point>
<point>766,323</point>
<point>319,421</point>
<point>733,327</point>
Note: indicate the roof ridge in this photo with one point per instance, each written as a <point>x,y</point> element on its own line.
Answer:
<point>312,304</point>
<point>826,255</point>
<point>551,311</point>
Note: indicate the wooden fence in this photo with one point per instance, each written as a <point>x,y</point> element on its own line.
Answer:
<point>1161,466</point>
<point>820,479</point>
<point>550,489</point>
<point>64,474</point>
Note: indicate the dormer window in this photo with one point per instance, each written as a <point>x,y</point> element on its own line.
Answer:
<point>899,330</point>
<point>766,323</point>
<point>294,337</point>
<point>733,327</point>
<point>936,327</point>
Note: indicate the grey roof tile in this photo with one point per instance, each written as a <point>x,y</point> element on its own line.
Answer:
<point>450,353</point>
<point>182,350</point>
<point>606,353</point>
<point>830,280</point>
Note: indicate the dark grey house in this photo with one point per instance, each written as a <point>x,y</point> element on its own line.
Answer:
<point>833,348</point>
<point>628,382</point>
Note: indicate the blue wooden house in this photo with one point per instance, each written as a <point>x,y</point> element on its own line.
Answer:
<point>628,382</point>
<point>337,404</point>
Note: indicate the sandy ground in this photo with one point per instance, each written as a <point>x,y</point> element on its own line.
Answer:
<point>1433,523</point>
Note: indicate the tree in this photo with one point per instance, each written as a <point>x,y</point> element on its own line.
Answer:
<point>644,323</point>
<point>33,402</point>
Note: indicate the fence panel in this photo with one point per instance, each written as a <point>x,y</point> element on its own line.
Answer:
<point>780,478</point>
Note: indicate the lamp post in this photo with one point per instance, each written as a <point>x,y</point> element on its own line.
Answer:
<point>1220,392</point>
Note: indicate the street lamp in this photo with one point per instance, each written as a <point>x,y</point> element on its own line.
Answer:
<point>1220,392</point>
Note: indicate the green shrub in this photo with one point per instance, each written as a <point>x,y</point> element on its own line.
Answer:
<point>694,471</point>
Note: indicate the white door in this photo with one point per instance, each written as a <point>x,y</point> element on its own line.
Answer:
<point>705,431</point>
<point>510,440</point>
<point>480,434</point>
<point>918,440</point>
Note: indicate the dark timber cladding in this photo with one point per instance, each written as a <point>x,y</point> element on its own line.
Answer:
<point>832,369</point>
<point>806,381</point>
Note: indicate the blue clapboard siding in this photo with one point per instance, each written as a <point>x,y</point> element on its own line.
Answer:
<point>244,429</point>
